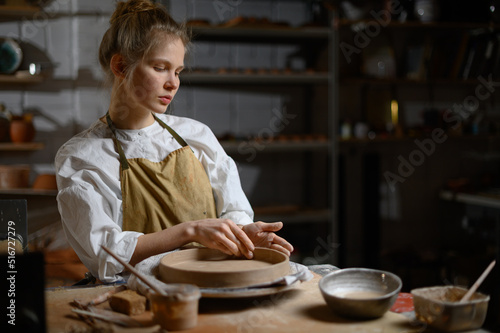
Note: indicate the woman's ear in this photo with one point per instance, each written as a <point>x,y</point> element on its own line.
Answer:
<point>117,66</point>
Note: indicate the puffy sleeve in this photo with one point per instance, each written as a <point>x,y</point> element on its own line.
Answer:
<point>231,201</point>
<point>89,201</point>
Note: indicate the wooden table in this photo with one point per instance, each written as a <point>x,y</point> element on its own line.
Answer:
<point>301,309</point>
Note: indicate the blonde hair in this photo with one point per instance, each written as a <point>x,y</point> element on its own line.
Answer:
<point>136,27</point>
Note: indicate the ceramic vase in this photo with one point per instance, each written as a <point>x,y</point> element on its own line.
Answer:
<point>22,130</point>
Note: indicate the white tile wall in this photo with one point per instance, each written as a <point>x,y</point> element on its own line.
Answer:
<point>89,32</point>
<point>60,47</point>
<point>93,103</point>
<point>9,29</point>
<point>201,10</point>
<point>12,100</point>
<point>255,113</point>
<point>99,7</point>
<point>68,34</point>
<point>182,105</point>
<point>296,13</point>
<point>211,55</point>
<point>257,9</point>
<point>53,117</point>
<point>178,9</point>
<point>59,6</point>
<point>213,107</point>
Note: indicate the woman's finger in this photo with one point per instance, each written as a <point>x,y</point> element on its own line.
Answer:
<point>229,247</point>
<point>244,243</point>
<point>270,226</point>
<point>283,243</point>
<point>222,241</point>
<point>280,248</point>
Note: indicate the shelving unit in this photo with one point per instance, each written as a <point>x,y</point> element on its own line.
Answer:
<point>378,219</point>
<point>310,153</point>
<point>271,147</point>
<point>210,32</point>
<point>11,13</point>
<point>200,77</point>
<point>407,82</point>
<point>399,37</point>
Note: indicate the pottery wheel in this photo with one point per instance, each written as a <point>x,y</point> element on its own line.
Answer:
<point>209,268</point>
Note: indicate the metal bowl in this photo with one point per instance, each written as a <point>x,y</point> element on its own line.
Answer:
<point>439,307</point>
<point>360,292</point>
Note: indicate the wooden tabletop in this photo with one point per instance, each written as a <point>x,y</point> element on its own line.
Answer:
<point>301,309</point>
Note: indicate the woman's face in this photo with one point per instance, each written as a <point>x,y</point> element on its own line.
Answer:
<point>155,80</point>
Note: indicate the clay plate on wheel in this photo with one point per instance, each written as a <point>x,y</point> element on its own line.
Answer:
<point>209,268</point>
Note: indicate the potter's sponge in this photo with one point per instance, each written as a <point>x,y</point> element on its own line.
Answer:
<point>128,302</point>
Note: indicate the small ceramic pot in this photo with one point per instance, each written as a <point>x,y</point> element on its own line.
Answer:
<point>178,309</point>
<point>45,182</point>
<point>14,176</point>
<point>21,130</point>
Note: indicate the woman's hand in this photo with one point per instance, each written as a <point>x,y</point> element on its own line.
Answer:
<point>263,235</point>
<point>223,235</point>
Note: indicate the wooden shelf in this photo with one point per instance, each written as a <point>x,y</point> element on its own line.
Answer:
<point>296,216</point>
<point>20,77</point>
<point>8,13</point>
<point>394,139</point>
<point>243,78</point>
<point>402,81</point>
<point>345,23</point>
<point>274,146</point>
<point>478,199</point>
<point>267,32</point>
<point>29,146</point>
<point>28,191</point>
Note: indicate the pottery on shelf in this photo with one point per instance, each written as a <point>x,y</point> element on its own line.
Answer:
<point>14,176</point>
<point>45,182</point>
<point>22,129</point>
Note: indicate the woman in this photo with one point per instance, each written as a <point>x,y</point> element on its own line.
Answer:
<point>142,182</point>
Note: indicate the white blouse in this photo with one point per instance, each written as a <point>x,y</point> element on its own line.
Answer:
<point>90,198</point>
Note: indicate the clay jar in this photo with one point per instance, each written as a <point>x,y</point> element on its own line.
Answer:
<point>45,182</point>
<point>22,129</point>
<point>178,309</point>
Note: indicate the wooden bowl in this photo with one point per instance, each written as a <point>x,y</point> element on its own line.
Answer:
<point>209,268</point>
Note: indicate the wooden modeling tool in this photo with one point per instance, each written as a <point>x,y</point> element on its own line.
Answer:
<point>135,272</point>
<point>476,284</point>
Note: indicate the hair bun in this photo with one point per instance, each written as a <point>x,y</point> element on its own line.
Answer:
<point>131,7</point>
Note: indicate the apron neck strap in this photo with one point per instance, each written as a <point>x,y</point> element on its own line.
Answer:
<point>176,136</point>
<point>123,158</point>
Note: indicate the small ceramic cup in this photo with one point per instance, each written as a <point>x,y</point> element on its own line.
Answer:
<point>22,130</point>
<point>178,310</point>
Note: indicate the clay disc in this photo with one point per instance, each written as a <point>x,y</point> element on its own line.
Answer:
<point>209,268</point>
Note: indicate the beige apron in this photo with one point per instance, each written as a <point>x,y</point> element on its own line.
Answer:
<point>158,195</point>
